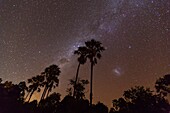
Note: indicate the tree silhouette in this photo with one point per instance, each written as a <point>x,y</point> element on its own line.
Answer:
<point>162,85</point>
<point>22,85</point>
<point>71,105</point>
<point>50,104</point>
<point>119,104</point>
<point>35,85</point>
<point>82,53</point>
<point>100,108</point>
<point>11,97</point>
<point>51,74</point>
<point>140,100</point>
<point>0,80</point>
<point>94,49</point>
<point>79,89</point>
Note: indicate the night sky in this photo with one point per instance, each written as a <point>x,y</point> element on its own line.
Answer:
<point>37,33</point>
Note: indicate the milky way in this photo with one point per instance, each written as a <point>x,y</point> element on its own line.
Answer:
<point>37,33</point>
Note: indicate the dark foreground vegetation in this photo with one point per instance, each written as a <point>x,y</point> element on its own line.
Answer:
<point>16,98</point>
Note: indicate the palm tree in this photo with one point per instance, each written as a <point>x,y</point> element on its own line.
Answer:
<point>79,88</point>
<point>35,85</point>
<point>82,53</point>
<point>94,49</point>
<point>51,74</point>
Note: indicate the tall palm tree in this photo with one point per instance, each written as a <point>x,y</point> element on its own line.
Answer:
<point>51,74</point>
<point>82,53</point>
<point>35,85</point>
<point>94,49</point>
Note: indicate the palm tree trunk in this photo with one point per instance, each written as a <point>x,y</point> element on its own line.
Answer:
<point>76,79</point>
<point>27,96</point>
<point>31,95</point>
<point>44,92</point>
<point>91,83</point>
<point>48,92</point>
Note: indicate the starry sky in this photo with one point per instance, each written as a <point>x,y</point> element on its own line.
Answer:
<point>37,33</point>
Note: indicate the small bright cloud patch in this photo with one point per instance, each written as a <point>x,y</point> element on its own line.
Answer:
<point>117,71</point>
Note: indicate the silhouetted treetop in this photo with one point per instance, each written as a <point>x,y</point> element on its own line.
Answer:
<point>162,85</point>
<point>140,100</point>
<point>79,88</point>
<point>35,84</point>
<point>94,49</point>
<point>51,81</point>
